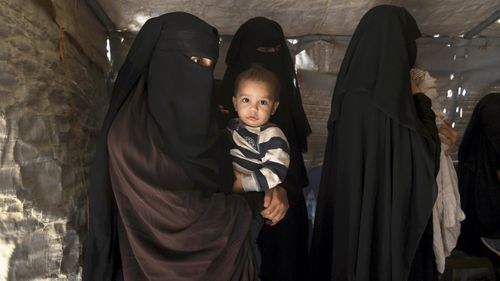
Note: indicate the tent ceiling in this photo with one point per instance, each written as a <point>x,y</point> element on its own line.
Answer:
<point>340,17</point>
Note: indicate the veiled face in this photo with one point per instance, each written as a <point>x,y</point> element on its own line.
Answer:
<point>272,49</point>
<point>206,62</point>
<point>261,41</point>
<point>180,82</point>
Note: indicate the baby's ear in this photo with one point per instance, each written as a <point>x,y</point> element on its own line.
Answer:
<point>275,106</point>
<point>234,103</point>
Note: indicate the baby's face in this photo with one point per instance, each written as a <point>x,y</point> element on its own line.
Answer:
<point>254,103</point>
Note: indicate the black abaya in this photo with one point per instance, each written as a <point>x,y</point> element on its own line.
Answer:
<point>478,175</point>
<point>155,213</point>
<point>378,183</point>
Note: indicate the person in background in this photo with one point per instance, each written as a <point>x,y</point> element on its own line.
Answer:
<point>378,185</point>
<point>479,180</point>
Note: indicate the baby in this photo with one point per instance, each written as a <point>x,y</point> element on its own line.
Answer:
<point>260,152</point>
<point>260,149</point>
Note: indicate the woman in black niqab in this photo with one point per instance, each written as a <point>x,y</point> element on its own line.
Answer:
<point>261,40</point>
<point>378,183</point>
<point>479,175</point>
<point>155,213</point>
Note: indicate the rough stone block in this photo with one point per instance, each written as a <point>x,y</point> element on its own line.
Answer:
<point>43,180</point>
<point>37,255</point>
<point>8,79</point>
<point>35,129</point>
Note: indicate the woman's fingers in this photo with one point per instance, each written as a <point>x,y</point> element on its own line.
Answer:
<point>267,198</point>
<point>278,205</point>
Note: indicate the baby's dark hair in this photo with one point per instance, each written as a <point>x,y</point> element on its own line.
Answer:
<point>257,72</point>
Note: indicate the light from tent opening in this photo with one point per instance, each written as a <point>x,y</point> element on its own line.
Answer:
<point>108,50</point>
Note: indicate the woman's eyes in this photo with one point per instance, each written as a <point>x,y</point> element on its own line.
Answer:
<point>202,61</point>
<point>269,49</point>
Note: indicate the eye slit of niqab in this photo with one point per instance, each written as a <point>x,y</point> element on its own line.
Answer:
<point>269,49</point>
<point>206,62</point>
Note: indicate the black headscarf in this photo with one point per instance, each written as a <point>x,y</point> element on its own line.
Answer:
<point>380,55</point>
<point>377,186</point>
<point>479,163</point>
<point>290,116</point>
<point>179,104</point>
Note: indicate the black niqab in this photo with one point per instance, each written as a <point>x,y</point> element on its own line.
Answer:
<point>179,106</point>
<point>382,48</point>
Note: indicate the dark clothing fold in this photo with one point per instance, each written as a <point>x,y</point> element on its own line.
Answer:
<point>378,183</point>
<point>174,231</point>
<point>283,246</point>
<point>478,175</point>
<point>375,199</point>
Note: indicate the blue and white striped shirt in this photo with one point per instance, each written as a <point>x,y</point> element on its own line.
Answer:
<point>260,154</point>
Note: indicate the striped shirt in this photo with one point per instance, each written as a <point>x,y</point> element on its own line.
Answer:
<point>260,154</point>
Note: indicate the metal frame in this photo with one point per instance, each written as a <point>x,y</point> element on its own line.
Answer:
<point>482,25</point>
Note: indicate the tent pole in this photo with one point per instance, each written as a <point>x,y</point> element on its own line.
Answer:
<point>482,25</point>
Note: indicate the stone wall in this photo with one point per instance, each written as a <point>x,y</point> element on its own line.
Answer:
<point>318,64</point>
<point>53,70</point>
